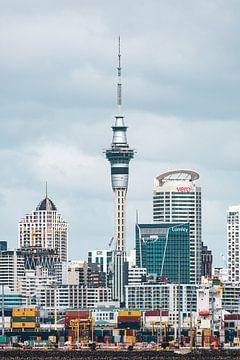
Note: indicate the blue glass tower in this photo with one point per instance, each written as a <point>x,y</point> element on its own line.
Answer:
<point>164,249</point>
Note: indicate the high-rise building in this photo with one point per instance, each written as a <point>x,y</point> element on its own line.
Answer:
<point>11,269</point>
<point>233,217</point>
<point>163,249</point>
<point>177,199</point>
<point>101,257</point>
<point>44,228</point>
<point>119,156</point>
<point>207,261</point>
<point>136,275</point>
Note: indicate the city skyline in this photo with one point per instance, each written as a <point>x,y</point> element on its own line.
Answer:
<point>180,82</point>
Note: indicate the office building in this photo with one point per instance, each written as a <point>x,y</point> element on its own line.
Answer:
<point>119,156</point>
<point>163,249</point>
<point>136,275</point>
<point>10,299</point>
<point>11,269</point>
<point>233,216</point>
<point>207,261</point>
<point>72,296</point>
<point>101,257</point>
<point>169,297</point>
<point>3,245</point>
<point>177,199</point>
<point>231,297</point>
<point>44,229</point>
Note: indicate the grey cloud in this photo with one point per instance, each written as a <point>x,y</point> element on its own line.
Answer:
<point>57,103</point>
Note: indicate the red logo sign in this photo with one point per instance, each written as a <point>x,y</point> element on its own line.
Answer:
<point>184,189</point>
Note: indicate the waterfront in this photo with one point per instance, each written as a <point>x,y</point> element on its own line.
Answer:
<point>115,355</point>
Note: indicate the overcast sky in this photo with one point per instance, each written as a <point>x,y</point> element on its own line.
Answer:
<point>181,77</point>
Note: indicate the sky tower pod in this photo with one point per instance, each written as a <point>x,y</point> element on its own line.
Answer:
<point>119,156</point>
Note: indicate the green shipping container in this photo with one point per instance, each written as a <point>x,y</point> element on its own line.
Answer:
<point>3,339</point>
<point>24,319</point>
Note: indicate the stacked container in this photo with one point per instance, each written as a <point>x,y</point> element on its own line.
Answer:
<point>80,315</point>
<point>206,337</point>
<point>129,319</point>
<point>24,318</point>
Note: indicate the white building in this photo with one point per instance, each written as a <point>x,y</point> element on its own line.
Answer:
<point>44,228</point>
<point>233,215</point>
<point>136,275</point>
<point>72,296</point>
<point>101,257</point>
<point>32,282</point>
<point>163,296</point>
<point>11,269</point>
<point>177,199</point>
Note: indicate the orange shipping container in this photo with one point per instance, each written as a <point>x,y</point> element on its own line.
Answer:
<point>24,312</point>
<point>129,313</point>
<point>26,325</point>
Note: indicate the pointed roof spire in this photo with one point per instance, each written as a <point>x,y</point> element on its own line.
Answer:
<point>46,203</point>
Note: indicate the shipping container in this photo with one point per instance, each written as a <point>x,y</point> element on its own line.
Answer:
<point>52,339</point>
<point>24,325</point>
<point>3,339</point>
<point>106,339</point>
<point>129,339</point>
<point>77,314</point>
<point>129,325</point>
<point>129,319</point>
<point>24,319</point>
<point>115,332</point>
<point>206,332</point>
<point>156,312</point>
<point>198,341</point>
<point>24,311</point>
<point>117,338</point>
<point>130,313</point>
<point>7,312</point>
<point>130,332</point>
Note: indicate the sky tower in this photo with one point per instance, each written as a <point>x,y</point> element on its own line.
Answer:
<point>119,156</point>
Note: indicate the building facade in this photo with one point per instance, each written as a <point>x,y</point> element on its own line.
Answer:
<point>136,275</point>
<point>3,245</point>
<point>72,296</point>
<point>44,228</point>
<point>101,257</point>
<point>233,216</point>
<point>177,199</point>
<point>169,297</point>
<point>11,269</point>
<point>163,249</point>
<point>207,261</point>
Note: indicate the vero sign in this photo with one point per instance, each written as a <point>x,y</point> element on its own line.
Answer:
<point>184,189</point>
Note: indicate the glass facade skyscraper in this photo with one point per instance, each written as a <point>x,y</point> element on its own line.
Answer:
<point>163,249</point>
<point>177,199</point>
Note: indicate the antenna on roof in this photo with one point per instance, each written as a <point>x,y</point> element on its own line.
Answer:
<point>46,191</point>
<point>119,85</point>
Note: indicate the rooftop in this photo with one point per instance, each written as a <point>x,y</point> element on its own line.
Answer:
<point>177,175</point>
